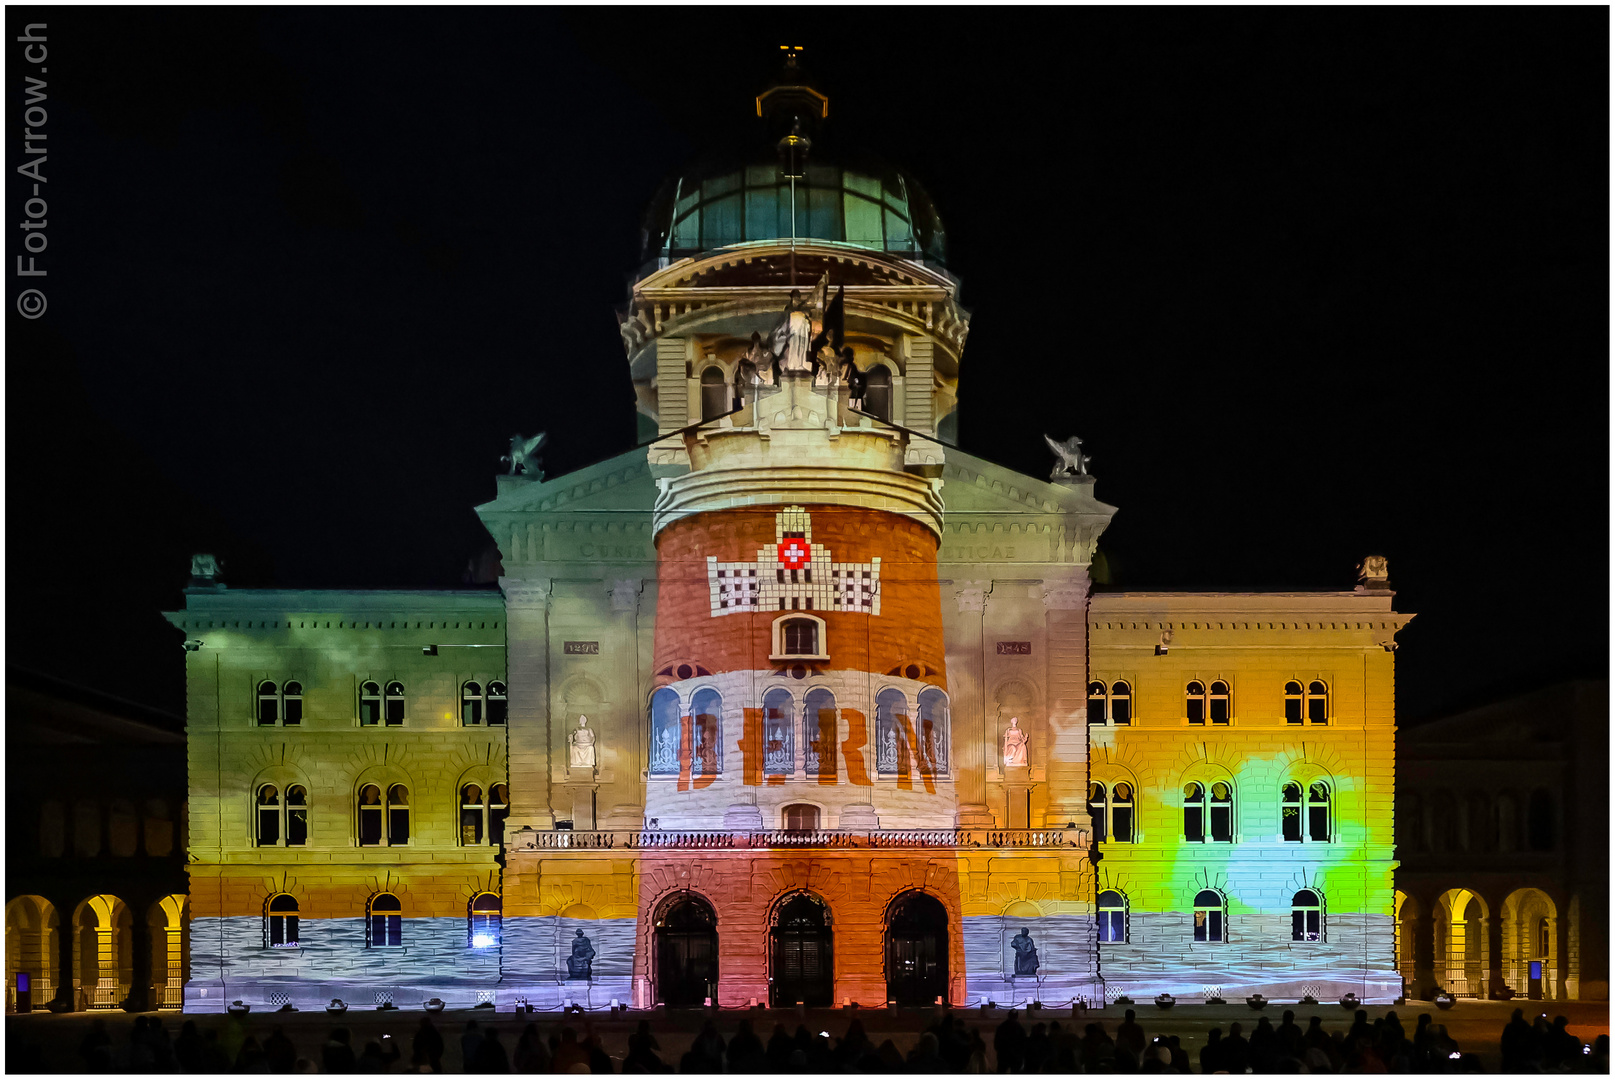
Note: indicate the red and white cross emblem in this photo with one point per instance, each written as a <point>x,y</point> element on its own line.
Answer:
<point>793,553</point>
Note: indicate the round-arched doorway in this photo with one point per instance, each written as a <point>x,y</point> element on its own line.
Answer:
<point>917,950</point>
<point>686,952</point>
<point>803,952</point>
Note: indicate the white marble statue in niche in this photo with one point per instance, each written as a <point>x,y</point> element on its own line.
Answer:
<point>1015,745</point>
<point>582,756</point>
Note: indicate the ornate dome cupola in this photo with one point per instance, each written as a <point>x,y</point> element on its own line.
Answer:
<point>746,199</point>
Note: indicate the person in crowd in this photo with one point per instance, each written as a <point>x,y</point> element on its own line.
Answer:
<point>280,1051</point>
<point>1009,1044</point>
<point>426,1048</point>
<point>570,1055</point>
<point>490,1056</point>
<point>746,1049</point>
<point>337,1055</point>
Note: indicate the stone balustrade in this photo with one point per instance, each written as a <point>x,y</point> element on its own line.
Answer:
<point>688,840</point>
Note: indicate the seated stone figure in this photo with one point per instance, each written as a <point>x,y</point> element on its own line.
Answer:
<point>580,964</point>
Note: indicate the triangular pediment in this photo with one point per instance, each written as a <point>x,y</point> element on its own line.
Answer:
<point>973,485</point>
<point>618,483</point>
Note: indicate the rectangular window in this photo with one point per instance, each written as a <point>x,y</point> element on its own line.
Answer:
<point>268,710</point>
<point>1219,710</point>
<point>369,825</point>
<point>369,711</point>
<point>296,827</point>
<point>1112,926</point>
<point>1292,824</point>
<point>1318,822</point>
<point>1208,925</point>
<point>1222,823</point>
<point>1194,824</point>
<point>294,710</point>
<point>1122,819</point>
<point>1306,925</point>
<point>386,930</point>
<point>395,711</point>
<point>398,825</point>
<point>1121,710</point>
<point>1318,710</point>
<point>1197,710</point>
<point>282,930</point>
<point>470,826</point>
<point>268,825</point>
<point>1292,710</point>
<point>472,712</point>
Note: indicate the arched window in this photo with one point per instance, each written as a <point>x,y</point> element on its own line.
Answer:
<point>369,704</point>
<point>1317,703</point>
<point>1121,813</point>
<point>383,823</point>
<point>665,733</point>
<point>394,712</point>
<point>1306,818</point>
<point>1306,916</point>
<point>933,733</point>
<point>1539,821</point>
<point>281,931</point>
<point>800,817</point>
<point>471,704</point>
<point>282,817</point>
<point>1208,916</point>
<point>893,754</point>
<point>484,921</point>
<point>1294,703</point>
<point>483,813</point>
<point>1318,812</point>
<point>472,822</point>
<point>268,704</point>
<point>779,733</point>
<point>1194,702</point>
<point>498,704</point>
<point>296,816</point>
<point>1112,917</point>
<point>819,733</point>
<point>800,637</point>
<point>1112,811</point>
<point>878,392</point>
<point>714,393</point>
<point>1208,814</point>
<point>269,810</point>
<point>1219,703</point>
<point>397,815</point>
<point>706,733</point>
<point>1111,704</point>
<point>291,704</point>
<point>1121,703</point>
<point>386,921</point>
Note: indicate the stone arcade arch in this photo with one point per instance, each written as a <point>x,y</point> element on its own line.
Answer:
<point>916,949</point>
<point>686,950</point>
<point>1530,932</point>
<point>103,952</point>
<point>1461,959</point>
<point>31,951</point>
<point>801,951</point>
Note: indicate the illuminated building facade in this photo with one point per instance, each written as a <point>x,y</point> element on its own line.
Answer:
<point>796,701</point>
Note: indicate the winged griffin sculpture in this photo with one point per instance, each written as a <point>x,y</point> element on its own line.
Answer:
<point>524,458</point>
<point>1071,461</point>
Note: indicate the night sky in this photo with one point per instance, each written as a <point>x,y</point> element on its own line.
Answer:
<point>1311,284</point>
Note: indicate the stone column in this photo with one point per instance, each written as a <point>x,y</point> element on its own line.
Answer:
<point>1065,605</point>
<point>972,734</point>
<point>527,648</point>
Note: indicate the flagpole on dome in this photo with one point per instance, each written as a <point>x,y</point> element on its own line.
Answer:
<point>793,153</point>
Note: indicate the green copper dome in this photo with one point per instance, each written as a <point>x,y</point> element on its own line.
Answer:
<point>873,209</point>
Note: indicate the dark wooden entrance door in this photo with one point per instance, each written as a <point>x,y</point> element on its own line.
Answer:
<point>804,953</point>
<point>917,950</point>
<point>686,953</point>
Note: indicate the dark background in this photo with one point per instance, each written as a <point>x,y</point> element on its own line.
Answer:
<point>1311,283</point>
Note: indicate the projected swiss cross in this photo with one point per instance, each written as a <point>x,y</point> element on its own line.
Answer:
<point>795,575</point>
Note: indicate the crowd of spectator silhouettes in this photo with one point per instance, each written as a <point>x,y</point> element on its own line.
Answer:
<point>948,1045</point>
